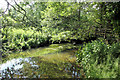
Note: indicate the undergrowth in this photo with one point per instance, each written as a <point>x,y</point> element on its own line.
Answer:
<point>99,60</point>
<point>21,39</point>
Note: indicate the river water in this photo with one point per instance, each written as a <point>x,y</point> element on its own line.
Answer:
<point>53,65</point>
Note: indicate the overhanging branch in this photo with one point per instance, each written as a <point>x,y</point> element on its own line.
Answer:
<point>19,7</point>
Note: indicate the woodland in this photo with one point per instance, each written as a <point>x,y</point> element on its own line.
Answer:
<point>93,26</point>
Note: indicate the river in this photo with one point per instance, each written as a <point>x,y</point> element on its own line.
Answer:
<point>54,61</point>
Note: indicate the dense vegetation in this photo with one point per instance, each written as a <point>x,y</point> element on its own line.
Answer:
<point>29,25</point>
<point>99,60</point>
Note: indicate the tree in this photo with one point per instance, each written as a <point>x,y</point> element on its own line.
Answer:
<point>103,15</point>
<point>26,13</point>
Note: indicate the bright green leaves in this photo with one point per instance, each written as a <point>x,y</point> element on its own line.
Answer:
<point>21,39</point>
<point>98,57</point>
<point>28,13</point>
<point>62,36</point>
<point>56,14</point>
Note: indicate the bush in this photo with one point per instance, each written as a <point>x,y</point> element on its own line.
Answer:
<point>98,56</point>
<point>90,50</point>
<point>20,39</point>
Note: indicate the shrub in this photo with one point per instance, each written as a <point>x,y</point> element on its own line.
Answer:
<point>90,50</point>
<point>98,57</point>
<point>20,39</point>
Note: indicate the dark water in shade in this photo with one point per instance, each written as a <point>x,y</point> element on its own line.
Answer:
<point>59,65</point>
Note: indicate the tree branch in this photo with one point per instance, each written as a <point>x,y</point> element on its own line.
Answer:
<point>24,14</point>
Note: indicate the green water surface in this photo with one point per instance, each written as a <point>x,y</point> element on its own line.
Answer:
<point>54,61</point>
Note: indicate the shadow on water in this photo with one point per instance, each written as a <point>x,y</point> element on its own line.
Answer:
<point>59,65</point>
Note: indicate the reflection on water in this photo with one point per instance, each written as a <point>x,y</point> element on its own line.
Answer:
<point>46,66</point>
<point>11,63</point>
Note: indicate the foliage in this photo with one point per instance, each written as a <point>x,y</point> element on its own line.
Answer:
<point>24,13</point>
<point>107,69</point>
<point>64,16</point>
<point>55,13</point>
<point>81,19</point>
<point>98,57</point>
<point>20,39</point>
<point>106,19</point>
<point>62,36</point>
